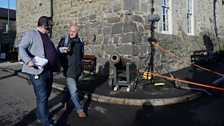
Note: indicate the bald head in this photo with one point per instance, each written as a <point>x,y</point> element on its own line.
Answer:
<point>73,32</point>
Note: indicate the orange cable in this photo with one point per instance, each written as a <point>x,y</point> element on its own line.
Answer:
<point>159,47</point>
<point>184,81</point>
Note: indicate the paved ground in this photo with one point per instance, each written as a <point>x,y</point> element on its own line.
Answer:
<point>96,87</point>
<point>18,109</point>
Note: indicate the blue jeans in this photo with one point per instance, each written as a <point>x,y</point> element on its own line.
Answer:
<point>42,87</point>
<point>71,83</point>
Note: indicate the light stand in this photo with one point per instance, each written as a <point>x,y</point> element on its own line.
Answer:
<point>153,18</point>
<point>150,68</point>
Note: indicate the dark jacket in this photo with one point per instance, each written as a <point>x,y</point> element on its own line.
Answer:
<point>72,61</point>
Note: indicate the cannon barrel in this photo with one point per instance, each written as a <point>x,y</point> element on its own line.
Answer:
<point>115,58</point>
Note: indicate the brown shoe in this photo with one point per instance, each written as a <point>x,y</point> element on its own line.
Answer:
<point>82,114</point>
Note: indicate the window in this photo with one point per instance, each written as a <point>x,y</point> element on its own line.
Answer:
<point>190,18</point>
<point>5,28</point>
<point>166,16</point>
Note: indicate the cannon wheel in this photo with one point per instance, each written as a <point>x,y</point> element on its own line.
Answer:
<point>111,81</point>
<point>112,86</point>
<point>132,86</point>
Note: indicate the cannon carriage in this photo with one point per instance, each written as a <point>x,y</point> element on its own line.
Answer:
<point>123,73</point>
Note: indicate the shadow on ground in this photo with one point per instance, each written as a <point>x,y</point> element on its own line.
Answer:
<point>30,118</point>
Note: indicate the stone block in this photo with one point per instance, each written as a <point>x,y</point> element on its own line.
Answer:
<point>117,28</point>
<point>132,5</point>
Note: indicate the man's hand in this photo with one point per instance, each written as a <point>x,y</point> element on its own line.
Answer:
<point>64,49</point>
<point>30,63</point>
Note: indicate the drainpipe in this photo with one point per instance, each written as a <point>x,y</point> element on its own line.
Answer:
<point>51,15</point>
<point>215,23</point>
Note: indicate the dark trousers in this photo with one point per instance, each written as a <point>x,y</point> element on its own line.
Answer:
<point>66,95</point>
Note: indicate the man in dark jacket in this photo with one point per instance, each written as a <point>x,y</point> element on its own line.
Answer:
<point>72,49</point>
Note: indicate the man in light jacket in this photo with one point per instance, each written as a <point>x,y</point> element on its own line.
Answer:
<point>36,43</point>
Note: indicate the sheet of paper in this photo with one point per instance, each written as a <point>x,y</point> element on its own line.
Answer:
<point>39,62</point>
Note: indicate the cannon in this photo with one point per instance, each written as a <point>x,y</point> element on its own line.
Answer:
<point>123,73</point>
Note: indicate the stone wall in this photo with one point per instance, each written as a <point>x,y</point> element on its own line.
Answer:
<point>27,14</point>
<point>122,26</point>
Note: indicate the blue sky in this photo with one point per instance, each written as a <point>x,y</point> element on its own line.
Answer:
<point>4,4</point>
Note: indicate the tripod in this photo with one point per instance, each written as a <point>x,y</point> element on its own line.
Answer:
<point>153,18</point>
<point>150,67</point>
<point>150,58</point>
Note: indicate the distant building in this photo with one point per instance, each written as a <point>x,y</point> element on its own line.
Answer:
<point>4,20</point>
<point>123,27</point>
<point>7,30</point>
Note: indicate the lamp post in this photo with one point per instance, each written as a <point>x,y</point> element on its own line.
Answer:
<point>7,28</point>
